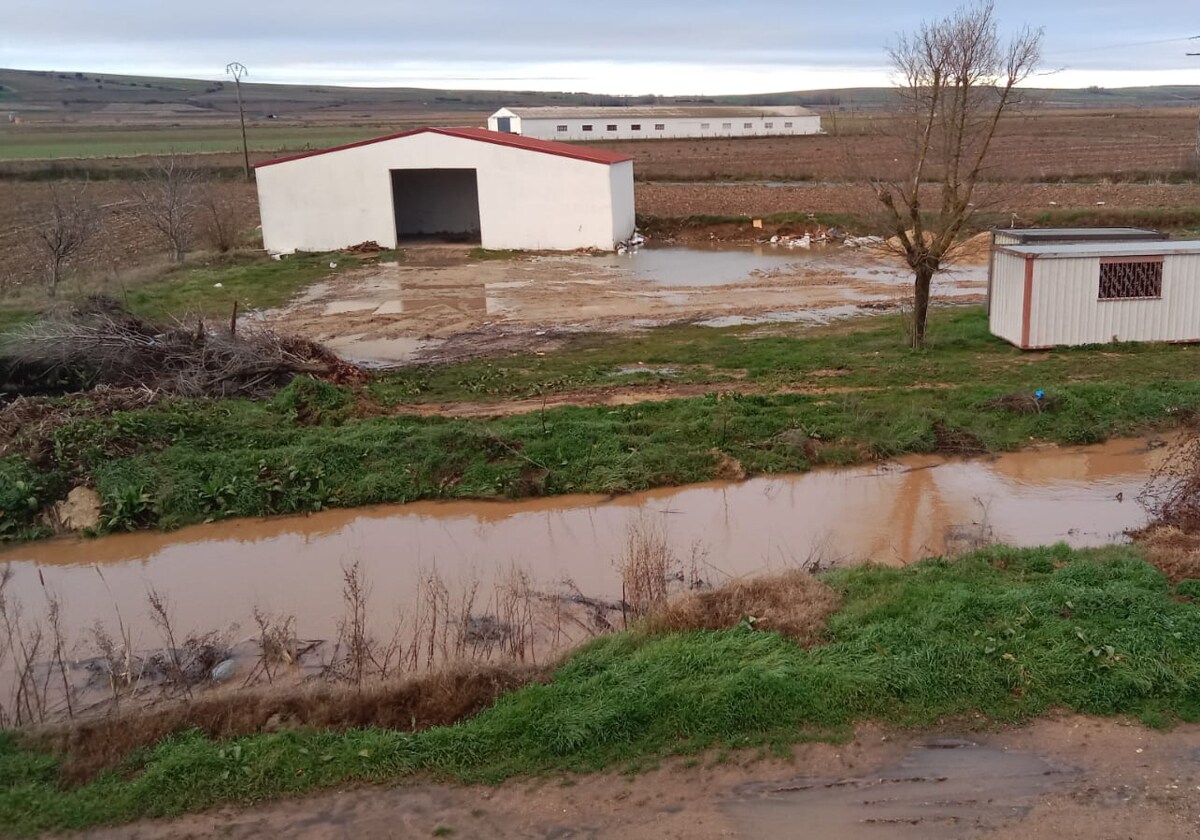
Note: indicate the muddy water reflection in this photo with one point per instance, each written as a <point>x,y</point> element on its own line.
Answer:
<point>892,513</point>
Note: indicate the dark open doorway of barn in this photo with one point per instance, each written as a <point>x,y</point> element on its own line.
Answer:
<point>436,203</point>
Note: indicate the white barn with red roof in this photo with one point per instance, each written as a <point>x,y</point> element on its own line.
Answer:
<point>468,184</point>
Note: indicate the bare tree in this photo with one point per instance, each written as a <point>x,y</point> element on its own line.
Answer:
<point>956,80</point>
<point>73,221</point>
<point>167,199</point>
<point>222,218</point>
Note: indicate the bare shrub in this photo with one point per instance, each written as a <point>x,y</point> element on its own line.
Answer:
<point>23,642</point>
<point>277,642</point>
<point>58,641</point>
<point>74,221</point>
<point>516,603</point>
<point>357,655</point>
<point>116,662</point>
<point>160,615</point>
<point>1171,496</point>
<point>647,565</point>
<point>793,603</point>
<point>166,199</point>
<point>221,217</point>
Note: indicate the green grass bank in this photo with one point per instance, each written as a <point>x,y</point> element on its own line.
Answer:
<point>856,393</point>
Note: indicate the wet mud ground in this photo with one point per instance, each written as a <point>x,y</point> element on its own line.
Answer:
<point>1053,779</point>
<point>435,303</point>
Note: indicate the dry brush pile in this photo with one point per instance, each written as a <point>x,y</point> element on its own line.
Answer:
<point>102,343</point>
<point>1172,499</point>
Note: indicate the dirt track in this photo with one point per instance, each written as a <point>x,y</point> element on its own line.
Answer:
<point>1066,779</point>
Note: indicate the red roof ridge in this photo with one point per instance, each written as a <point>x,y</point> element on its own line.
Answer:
<point>516,141</point>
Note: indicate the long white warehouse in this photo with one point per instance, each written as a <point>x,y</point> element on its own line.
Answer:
<point>642,123</point>
<point>501,190</point>
<point>1047,296</point>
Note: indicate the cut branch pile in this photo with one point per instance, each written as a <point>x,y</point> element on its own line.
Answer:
<point>105,344</point>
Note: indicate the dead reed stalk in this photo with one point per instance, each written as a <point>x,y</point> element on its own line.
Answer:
<point>647,565</point>
<point>160,615</point>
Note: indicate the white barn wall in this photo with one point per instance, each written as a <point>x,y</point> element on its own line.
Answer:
<point>1008,296</point>
<point>624,216</point>
<point>673,128</point>
<point>1066,309</point>
<point>527,200</point>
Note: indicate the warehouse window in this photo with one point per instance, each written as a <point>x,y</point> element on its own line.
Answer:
<point>1123,280</point>
<point>747,125</point>
<point>768,125</point>
<point>562,128</point>
<point>726,126</point>
<point>660,126</point>
<point>787,125</point>
<point>704,126</point>
<point>587,128</point>
<point>635,126</point>
<point>611,127</point>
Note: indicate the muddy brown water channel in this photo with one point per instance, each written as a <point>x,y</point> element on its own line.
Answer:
<point>896,512</point>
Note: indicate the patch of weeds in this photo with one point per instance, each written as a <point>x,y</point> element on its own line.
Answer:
<point>1189,588</point>
<point>494,254</point>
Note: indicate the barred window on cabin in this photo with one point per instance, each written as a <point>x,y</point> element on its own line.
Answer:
<point>562,128</point>
<point>611,127</point>
<point>1128,280</point>
<point>635,126</point>
<point>768,125</point>
<point>747,125</point>
<point>704,126</point>
<point>726,126</point>
<point>787,125</point>
<point>660,126</point>
<point>587,128</point>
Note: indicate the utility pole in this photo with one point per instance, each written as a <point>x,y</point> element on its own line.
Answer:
<point>1196,38</point>
<point>238,70</point>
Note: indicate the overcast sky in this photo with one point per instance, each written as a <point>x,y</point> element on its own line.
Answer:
<point>615,46</point>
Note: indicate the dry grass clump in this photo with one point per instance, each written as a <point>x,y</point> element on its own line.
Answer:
<point>440,698</point>
<point>793,603</point>
<point>1174,552</point>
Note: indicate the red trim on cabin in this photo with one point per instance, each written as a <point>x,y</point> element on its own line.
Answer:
<point>1027,306</point>
<point>515,141</point>
<point>1152,258</point>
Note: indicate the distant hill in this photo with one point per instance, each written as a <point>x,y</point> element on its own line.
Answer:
<point>76,96</point>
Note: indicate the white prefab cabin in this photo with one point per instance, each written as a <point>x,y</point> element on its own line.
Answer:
<point>501,190</point>
<point>1055,295</point>
<point>647,123</point>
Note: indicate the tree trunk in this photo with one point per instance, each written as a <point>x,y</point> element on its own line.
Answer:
<point>923,280</point>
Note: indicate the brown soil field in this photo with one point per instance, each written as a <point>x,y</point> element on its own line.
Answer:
<point>1070,778</point>
<point>1035,147</point>
<point>678,200</point>
<point>125,241</point>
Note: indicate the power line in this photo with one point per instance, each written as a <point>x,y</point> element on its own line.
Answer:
<point>1128,44</point>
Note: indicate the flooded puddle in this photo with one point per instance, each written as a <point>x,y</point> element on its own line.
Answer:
<point>943,790</point>
<point>396,312</point>
<point>216,575</point>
